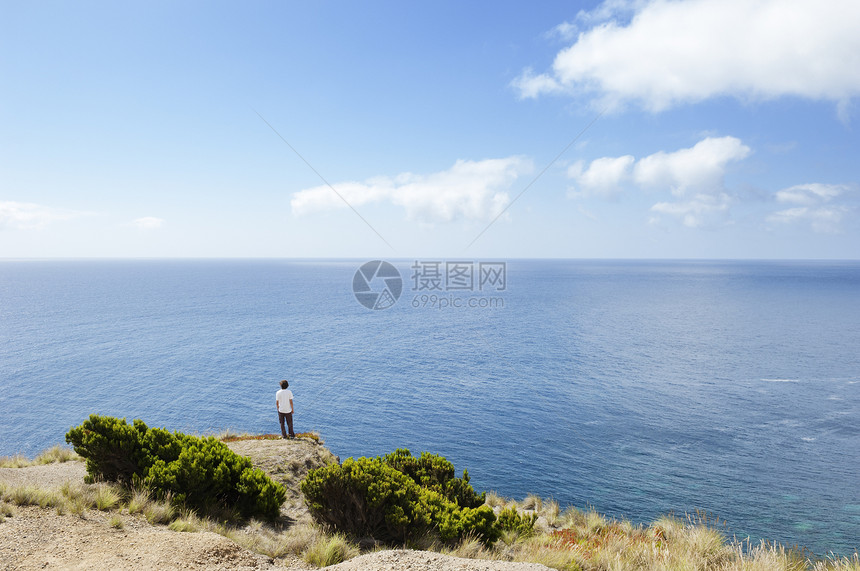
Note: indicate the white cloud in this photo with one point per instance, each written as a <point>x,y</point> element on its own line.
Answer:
<point>608,10</point>
<point>603,177</point>
<point>693,212</point>
<point>469,189</point>
<point>674,52</point>
<point>531,85</point>
<point>29,216</point>
<point>565,31</point>
<point>148,223</point>
<point>701,167</point>
<point>810,194</point>
<point>815,208</point>
<point>823,220</point>
<point>698,171</point>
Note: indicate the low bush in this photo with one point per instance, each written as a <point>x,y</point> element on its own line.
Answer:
<point>436,473</point>
<point>201,473</point>
<point>364,497</point>
<point>398,498</point>
<point>453,522</point>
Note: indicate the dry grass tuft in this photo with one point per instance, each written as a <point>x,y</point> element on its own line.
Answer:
<point>839,564</point>
<point>78,506</point>
<point>6,510</point>
<point>551,512</point>
<point>532,502</point>
<point>267,541</point>
<point>33,496</point>
<point>57,454</point>
<point>470,548</point>
<point>22,495</point>
<point>330,550</point>
<point>187,522</point>
<point>254,526</point>
<point>297,539</point>
<point>106,497</point>
<point>230,436</point>
<point>116,522</point>
<point>16,461</point>
<point>54,454</point>
<point>585,540</point>
<point>159,512</point>
<point>138,500</point>
<point>493,500</point>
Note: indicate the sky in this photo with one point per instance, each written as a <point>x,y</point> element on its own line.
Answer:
<point>488,129</point>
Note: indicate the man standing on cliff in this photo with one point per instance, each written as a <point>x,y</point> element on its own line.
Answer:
<point>284,403</point>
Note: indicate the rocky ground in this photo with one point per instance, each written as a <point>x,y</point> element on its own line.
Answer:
<point>37,538</point>
<point>40,538</point>
<point>287,462</point>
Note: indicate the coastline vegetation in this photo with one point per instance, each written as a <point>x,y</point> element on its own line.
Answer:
<point>397,498</point>
<point>230,436</point>
<point>194,472</point>
<point>53,454</point>
<point>569,539</point>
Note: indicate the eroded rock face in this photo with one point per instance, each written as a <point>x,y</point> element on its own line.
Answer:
<point>287,462</point>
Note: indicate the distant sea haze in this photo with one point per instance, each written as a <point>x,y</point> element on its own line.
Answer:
<point>639,388</point>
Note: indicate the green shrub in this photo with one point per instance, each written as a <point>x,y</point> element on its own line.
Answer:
<point>511,520</point>
<point>111,447</point>
<point>436,473</point>
<point>364,497</point>
<point>454,523</point>
<point>201,473</point>
<point>397,498</point>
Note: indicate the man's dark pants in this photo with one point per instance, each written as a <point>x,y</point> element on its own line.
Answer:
<point>288,416</point>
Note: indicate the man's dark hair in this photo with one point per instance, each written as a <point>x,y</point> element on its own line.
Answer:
<point>284,384</point>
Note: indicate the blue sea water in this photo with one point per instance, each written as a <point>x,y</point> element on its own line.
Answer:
<point>636,387</point>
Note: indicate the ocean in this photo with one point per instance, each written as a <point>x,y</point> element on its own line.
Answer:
<point>636,388</point>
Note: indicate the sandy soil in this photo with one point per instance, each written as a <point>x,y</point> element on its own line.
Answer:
<point>36,538</point>
<point>397,559</point>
